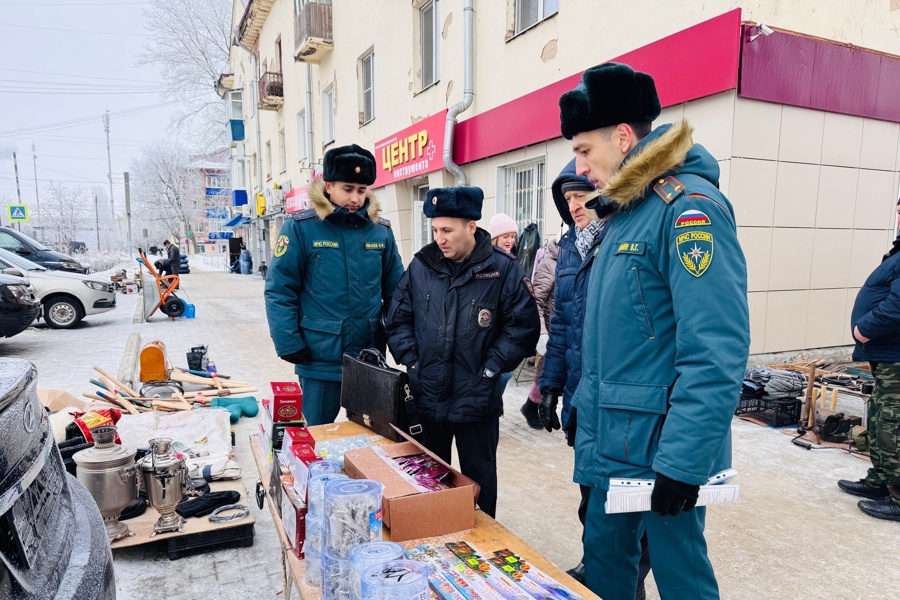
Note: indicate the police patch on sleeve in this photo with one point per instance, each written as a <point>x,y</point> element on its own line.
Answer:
<point>282,245</point>
<point>695,251</point>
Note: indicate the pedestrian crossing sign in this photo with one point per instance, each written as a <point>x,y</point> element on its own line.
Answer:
<point>18,213</point>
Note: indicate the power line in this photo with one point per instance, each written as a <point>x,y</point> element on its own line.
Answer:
<point>84,120</point>
<point>78,76</point>
<point>81,85</point>
<point>71,3</point>
<point>49,93</point>
<point>76,30</point>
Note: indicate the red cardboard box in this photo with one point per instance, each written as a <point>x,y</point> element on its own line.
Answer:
<point>275,429</point>
<point>293,518</point>
<point>287,402</point>
<point>299,435</point>
<point>297,458</point>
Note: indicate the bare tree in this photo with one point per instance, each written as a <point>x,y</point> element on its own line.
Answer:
<point>168,194</point>
<point>64,214</point>
<point>190,42</point>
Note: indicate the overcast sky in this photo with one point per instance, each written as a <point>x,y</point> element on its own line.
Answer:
<point>71,60</point>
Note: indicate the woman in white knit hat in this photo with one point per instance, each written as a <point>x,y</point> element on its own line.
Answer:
<point>503,231</point>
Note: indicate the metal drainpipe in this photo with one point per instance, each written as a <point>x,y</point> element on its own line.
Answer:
<point>260,257</point>
<point>468,94</point>
<point>311,159</point>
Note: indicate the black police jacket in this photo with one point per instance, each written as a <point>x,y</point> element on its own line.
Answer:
<point>448,328</point>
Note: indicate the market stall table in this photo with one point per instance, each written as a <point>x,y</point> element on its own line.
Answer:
<point>488,535</point>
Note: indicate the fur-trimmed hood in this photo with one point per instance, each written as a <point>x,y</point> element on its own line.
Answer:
<point>324,207</point>
<point>668,148</point>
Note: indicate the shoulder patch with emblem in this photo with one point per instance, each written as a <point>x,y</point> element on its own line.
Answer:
<point>695,251</point>
<point>384,222</point>
<point>305,214</point>
<point>281,245</point>
<point>668,188</point>
<point>692,218</point>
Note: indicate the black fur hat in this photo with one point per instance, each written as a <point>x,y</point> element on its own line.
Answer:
<point>608,94</point>
<point>353,164</point>
<point>457,202</point>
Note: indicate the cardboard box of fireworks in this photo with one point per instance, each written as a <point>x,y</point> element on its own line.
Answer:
<point>410,510</point>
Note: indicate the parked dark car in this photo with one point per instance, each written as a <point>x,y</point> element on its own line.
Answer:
<point>53,541</point>
<point>19,306</point>
<point>33,250</point>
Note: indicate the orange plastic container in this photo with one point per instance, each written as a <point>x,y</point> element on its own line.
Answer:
<point>154,366</point>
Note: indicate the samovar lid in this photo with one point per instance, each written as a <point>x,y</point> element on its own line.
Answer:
<point>106,453</point>
<point>161,456</point>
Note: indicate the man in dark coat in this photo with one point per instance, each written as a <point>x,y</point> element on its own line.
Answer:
<point>335,265</point>
<point>462,314</point>
<point>876,329</point>
<point>172,262</point>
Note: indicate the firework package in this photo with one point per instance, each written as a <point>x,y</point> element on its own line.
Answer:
<point>273,429</point>
<point>459,572</point>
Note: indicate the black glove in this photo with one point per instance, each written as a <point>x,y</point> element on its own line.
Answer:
<point>571,427</point>
<point>299,357</point>
<point>670,497</point>
<point>547,408</point>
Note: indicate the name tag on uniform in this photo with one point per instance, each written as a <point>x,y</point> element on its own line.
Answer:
<point>488,275</point>
<point>374,245</point>
<point>325,244</point>
<point>631,248</point>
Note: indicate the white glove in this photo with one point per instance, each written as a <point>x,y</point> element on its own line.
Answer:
<point>542,344</point>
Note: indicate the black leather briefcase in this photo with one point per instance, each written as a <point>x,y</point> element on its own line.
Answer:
<point>377,396</point>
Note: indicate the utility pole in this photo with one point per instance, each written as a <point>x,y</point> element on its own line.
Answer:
<point>18,191</point>
<point>97,219</point>
<point>37,198</point>
<point>128,208</point>
<point>112,204</point>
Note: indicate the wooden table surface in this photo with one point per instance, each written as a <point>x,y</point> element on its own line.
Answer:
<point>487,536</point>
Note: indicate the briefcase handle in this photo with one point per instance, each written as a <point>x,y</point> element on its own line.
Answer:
<point>373,357</point>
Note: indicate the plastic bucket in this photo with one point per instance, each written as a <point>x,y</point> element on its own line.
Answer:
<point>189,311</point>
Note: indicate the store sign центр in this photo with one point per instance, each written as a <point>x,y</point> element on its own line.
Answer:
<point>416,150</point>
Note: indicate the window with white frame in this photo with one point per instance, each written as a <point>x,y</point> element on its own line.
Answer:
<point>328,114</point>
<point>282,152</point>
<point>523,193</point>
<point>422,233</point>
<point>529,12</point>
<point>239,173</point>
<point>269,159</point>
<point>235,106</point>
<point>301,135</point>
<point>217,181</point>
<point>429,37</point>
<point>367,88</point>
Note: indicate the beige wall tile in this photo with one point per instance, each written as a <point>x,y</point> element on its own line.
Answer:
<point>757,245</point>
<point>751,189</point>
<point>801,135</point>
<point>847,338</point>
<point>865,254</point>
<point>825,323</point>
<point>713,119</point>
<point>536,150</point>
<point>559,153</point>
<point>796,188</point>
<point>672,114</point>
<point>756,129</point>
<point>837,195</point>
<point>842,141</point>
<point>791,262</point>
<point>786,320</point>
<point>724,175</point>
<point>875,201</point>
<point>757,303</point>
<point>831,258</point>
<point>879,145</point>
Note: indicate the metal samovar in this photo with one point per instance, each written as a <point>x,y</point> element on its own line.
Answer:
<point>164,476</point>
<point>108,472</point>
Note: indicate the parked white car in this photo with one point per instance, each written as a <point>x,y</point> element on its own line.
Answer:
<point>66,297</point>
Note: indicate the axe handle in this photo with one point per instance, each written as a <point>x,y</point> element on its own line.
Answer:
<point>225,392</point>
<point>117,383</point>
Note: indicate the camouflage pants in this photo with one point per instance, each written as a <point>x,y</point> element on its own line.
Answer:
<point>884,428</point>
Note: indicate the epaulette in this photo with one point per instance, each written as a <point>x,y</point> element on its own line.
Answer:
<point>308,213</point>
<point>669,189</point>
<point>384,222</point>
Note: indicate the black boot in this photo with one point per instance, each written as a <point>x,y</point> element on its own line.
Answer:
<point>577,573</point>
<point>530,412</point>
<point>861,488</point>
<point>880,509</point>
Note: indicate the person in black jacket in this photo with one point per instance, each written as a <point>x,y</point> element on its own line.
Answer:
<point>875,322</point>
<point>462,314</point>
<point>172,262</point>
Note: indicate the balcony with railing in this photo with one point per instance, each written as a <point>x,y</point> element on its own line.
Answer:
<point>312,31</point>
<point>271,91</point>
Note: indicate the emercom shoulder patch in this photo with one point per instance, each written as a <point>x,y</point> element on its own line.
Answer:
<point>692,218</point>
<point>695,251</point>
<point>281,245</point>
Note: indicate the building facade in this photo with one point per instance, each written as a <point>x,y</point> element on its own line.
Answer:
<point>795,101</point>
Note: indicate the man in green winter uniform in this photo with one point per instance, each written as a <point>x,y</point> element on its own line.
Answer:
<point>666,335</point>
<point>335,266</point>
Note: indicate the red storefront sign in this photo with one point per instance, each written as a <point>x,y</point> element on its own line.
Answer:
<point>297,199</point>
<point>416,150</point>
